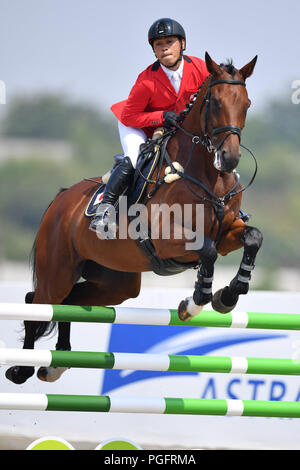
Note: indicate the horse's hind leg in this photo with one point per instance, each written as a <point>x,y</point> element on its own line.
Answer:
<point>19,374</point>
<point>56,283</point>
<point>114,287</point>
<point>33,330</point>
<point>51,374</point>
<point>226,299</point>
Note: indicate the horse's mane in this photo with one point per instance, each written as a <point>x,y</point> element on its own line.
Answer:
<point>229,68</point>
<point>189,105</point>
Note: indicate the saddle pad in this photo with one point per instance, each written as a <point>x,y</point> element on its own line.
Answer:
<point>134,193</point>
<point>91,208</point>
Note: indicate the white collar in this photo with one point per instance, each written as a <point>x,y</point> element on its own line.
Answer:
<point>170,73</point>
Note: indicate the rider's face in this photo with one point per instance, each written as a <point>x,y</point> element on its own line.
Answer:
<point>167,50</point>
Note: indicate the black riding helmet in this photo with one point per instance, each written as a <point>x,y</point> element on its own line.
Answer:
<point>165,27</point>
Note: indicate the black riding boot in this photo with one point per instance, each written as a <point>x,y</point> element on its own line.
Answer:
<point>116,185</point>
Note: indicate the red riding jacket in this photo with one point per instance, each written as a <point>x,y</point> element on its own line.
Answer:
<point>153,94</point>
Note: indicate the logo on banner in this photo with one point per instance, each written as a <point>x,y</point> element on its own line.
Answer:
<point>149,339</point>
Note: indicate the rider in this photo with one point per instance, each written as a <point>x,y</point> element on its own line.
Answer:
<point>158,96</point>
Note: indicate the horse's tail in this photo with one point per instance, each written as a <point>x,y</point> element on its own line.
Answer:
<point>42,328</point>
<point>32,263</point>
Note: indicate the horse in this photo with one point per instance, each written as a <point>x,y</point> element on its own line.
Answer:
<point>73,266</point>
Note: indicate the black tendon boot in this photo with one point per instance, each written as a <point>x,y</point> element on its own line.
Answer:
<point>116,185</point>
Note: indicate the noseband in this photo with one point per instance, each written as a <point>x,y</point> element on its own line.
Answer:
<point>218,130</point>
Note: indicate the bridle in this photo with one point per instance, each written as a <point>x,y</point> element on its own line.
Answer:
<point>218,130</point>
<point>206,139</point>
<point>218,203</point>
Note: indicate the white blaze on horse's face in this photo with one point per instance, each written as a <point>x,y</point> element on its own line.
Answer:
<point>226,161</point>
<point>217,161</point>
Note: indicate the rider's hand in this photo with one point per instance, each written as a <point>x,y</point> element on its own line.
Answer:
<point>171,119</point>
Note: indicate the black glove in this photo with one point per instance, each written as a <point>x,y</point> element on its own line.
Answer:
<point>170,119</point>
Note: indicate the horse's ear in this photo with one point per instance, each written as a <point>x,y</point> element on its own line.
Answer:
<point>211,65</point>
<point>247,70</point>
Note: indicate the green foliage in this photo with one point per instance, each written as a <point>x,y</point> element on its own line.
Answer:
<point>16,241</point>
<point>274,199</point>
<point>93,136</point>
<point>39,117</point>
<point>26,189</point>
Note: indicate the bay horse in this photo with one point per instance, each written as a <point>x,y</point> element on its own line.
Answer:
<point>65,250</point>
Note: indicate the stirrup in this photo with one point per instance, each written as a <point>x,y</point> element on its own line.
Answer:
<point>103,224</point>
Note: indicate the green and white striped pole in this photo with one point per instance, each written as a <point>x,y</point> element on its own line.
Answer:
<point>183,406</point>
<point>147,316</point>
<point>153,362</point>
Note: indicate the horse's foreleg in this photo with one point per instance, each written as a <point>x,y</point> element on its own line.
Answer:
<point>191,306</point>
<point>226,299</point>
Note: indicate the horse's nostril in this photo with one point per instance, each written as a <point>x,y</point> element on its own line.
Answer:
<point>230,160</point>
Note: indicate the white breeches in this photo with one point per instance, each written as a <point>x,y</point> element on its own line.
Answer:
<point>131,139</point>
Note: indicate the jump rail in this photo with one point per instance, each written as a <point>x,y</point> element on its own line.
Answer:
<point>153,362</point>
<point>147,316</point>
<point>183,406</point>
<point>160,405</point>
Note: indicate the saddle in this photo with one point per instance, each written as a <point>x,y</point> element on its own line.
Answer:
<point>152,154</point>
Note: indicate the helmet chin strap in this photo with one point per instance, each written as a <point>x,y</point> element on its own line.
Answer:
<point>177,61</point>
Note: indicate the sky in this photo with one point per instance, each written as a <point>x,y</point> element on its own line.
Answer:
<point>94,50</point>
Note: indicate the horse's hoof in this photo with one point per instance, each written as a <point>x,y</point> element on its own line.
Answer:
<point>50,374</point>
<point>19,374</point>
<point>29,297</point>
<point>218,305</point>
<point>183,314</point>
